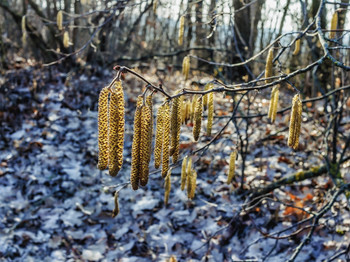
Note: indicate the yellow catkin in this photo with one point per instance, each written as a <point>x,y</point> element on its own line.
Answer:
<point>210,113</point>
<point>116,205</point>
<point>193,183</point>
<point>66,39</point>
<point>188,176</point>
<point>24,31</point>
<point>103,129</point>
<point>144,146</point>
<point>268,67</point>
<point>334,24</point>
<point>297,47</point>
<point>166,140</point>
<point>159,138</point>
<point>172,259</point>
<point>181,30</point>
<point>183,173</point>
<point>155,4</point>
<point>167,187</point>
<point>116,128</point>
<point>149,103</point>
<point>197,119</point>
<point>273,104</point>
<point>135,151</point>
<point>188,110</point>
<point>183,112</point>
<point>24,24</point>
<point>193,106</point>
<point>208,86</point>
<point>60,20</point>
<point>232,167</point>
<point>186,67</point>
<point>175,127</point>
<point>295,122</point>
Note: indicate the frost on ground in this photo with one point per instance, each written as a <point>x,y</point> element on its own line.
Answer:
<point>55,205</point>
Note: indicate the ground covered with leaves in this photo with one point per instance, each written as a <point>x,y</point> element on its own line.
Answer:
<point>55,205</point>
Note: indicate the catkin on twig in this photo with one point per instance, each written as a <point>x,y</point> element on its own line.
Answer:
<point>181,30</point>
<point>167,187</point>
<point>295,122</point>
<point>135,151</point>
<point>268,67</point>
<point>66,39</point>
<point>193,106</point>
<point>232,167</point>
<point>183,173</point>
<point>334,24</point>
<point>116,128</point>
<point>297,47</point>
<point>24,31</point>
<point>159,138</point>
<point>210,113</point>
<point>166,140</point>
<point>197,119</point>
<point>193,184</point>
<point>186,67</point>
<point>59,19</point>
<point>103,129</point>
<point>116,205</point>
<point>175,128</point>
<point>273,103</point>
<point>144,146</point>
<point>188,176</point>
<point>208,86</point>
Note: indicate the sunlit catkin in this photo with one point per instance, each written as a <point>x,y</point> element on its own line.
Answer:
<point>159,138</point>
<point>103,129</point>
<point>172,259</point>
<point>273,104</point>
<point>232,167</point>
<point>60,20</point>
<point>181,30</point>
<point>193,106</point>
<point>149,103</point>
<point>183,173</point>
<point>210,113</point>
<point>295,122</point>
<point>268,67</point>
<point>24,31</point>
<point>297,47</point>
<point>334,24</point>
<point>166,140</point>
<point>167,187</point>
<point>197,119</point>
<point>175,127</point>
<point>208,86</point>
<point>116,205</point>
<point>66,39</point>
<point>155,4</point>
<point>188,176</point>
<point>193,183</point>
<point>186,67</point>
<point>116,128</point>
<point>144,146</point>
<point>135,151</point>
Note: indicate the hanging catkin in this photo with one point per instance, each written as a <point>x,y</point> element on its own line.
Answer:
<point>268,67</point>
<point>197,119</point>
<point>210,113</point>
<point>273,104</point>
<point>334,24</point>
<point>144,146</point>
<point>167,187</point>
<point>135,151</point>
<point>297,47</point>
<point>183,173</point>
<point>208,86</point>
<point>232,167</point>
<point>188,176</point>
<point>166,140</point>
<point>159,138</point>
<point>116,205</point>
<point>193,183</point>
<point>193,106</point>
<point>295,122</point>
<point>103,129</point>
<point>116,128</point>
<point>181,30</point>
<point>66,39</point>
<point>175,127</point>
<point>24,31</point>
<point>186,67</point>
<point>60,20</point>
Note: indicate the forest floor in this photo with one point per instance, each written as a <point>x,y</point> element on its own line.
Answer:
<point>55,205</point>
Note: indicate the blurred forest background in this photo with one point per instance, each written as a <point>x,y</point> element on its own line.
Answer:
<point>282,205</point>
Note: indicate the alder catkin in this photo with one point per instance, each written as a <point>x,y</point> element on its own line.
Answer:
<point>103,129</point>
<point>60,20</point>
<point>295,122</point>
<point>116,128</point>
<point>135,151</point>
<point>186,67</point>
<point>334,24</point>
<point>155,4</point>
<point>166,140</point>
<point>273,104</point>
<point>268,67</point>
<point>167,187</point>
<point>181,30</point>
<point>197,119</point>
<point>66,39</point>
<point>210,113</point>
<point>116,205</point>
<point>193,106</point>
<point>159,138</point>
<point>183,173</point>
<point>24,31</point>
<point>144,146</point>
<point>232,167</point>
<point>175,127</point>
<point>193,183</point>
<point>297,47</point>
<point>189,176</point>
<point>208,86</point>
<point>172,259</point>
